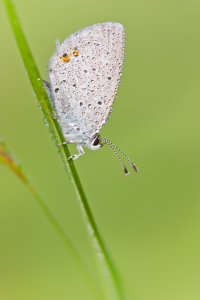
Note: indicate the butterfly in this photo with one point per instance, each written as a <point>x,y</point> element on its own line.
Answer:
<point>84,74</point>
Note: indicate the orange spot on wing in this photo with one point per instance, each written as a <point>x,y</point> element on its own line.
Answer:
<point>76,52</point>
<point>65,57</point>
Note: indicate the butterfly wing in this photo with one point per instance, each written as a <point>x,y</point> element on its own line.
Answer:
<point>84,74</point>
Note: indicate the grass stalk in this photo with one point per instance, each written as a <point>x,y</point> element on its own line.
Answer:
<point>7,158</point>
<point>111,283</point>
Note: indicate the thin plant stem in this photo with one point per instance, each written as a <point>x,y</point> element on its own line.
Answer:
<point>112,285</point>
<point>9,159</point>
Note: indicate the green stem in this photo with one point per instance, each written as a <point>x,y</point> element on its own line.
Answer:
<point>8,158</point>
<point>112,284</point>
<point>69,246</point>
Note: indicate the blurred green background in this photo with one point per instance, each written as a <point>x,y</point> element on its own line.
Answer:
<point>150,220</point>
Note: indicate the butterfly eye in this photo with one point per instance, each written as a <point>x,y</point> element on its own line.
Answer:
<point>96,140</point>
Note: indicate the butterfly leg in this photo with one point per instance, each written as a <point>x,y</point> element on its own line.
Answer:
<point>80,150</point>
<point>53,117</point>
<point>65,143</point>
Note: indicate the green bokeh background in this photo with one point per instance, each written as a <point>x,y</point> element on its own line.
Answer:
<point>150,220</point>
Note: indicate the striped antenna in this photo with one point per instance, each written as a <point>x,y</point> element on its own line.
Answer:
<point>123,166</point>
<point>113,145</point>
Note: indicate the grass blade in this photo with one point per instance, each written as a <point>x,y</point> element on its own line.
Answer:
<point>7,158</point>
<point>110,278</point>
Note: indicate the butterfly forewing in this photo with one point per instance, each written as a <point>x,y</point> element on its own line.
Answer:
<point>85,72</point>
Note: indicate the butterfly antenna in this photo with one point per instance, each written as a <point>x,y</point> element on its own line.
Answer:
<point>132,165</point>
<point>123,166</point>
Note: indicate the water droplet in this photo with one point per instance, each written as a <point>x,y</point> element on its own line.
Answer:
<point>45,121</point>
